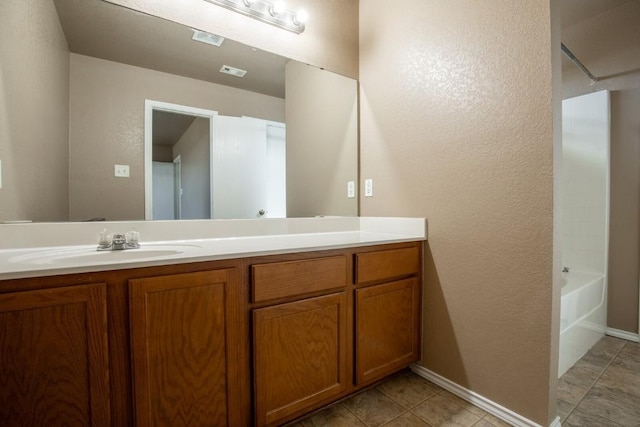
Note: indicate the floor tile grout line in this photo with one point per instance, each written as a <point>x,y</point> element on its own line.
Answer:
<point>412,406</point>
<point>397,416</point>
<point>624,344</point>
<point>409,410</point>
<point>356,415</point>
<point>439,391</point>
<point>386,422</point>
<point>600,376</point>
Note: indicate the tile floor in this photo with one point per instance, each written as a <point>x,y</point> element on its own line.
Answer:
<point>603,388</point>
<point>406,400</point>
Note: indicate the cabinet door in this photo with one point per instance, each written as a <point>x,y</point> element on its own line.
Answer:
<point>300,356</point>
<point>179,346</point>
<point>387,328</point>
<point>53,357</point>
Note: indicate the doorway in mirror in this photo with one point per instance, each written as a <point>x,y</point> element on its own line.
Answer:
<point>227,167</point>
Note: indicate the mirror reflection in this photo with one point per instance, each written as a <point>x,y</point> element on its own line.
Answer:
<point>90,69</point>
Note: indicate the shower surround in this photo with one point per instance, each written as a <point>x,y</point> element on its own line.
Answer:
<point>585,218</point>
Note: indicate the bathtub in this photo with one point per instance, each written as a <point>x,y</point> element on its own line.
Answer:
<point>582,316</point>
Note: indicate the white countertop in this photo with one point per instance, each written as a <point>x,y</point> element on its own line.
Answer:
<point>217,242</point>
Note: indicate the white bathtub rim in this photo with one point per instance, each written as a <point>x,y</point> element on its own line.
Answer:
<point>593,279</point>
<point>575,285</point>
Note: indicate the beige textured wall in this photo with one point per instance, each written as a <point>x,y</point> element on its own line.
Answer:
<point>457,126</point>
<point>162,153</point>
<point>107,128</point>
<point>624,223</point>
<point>34,112</point>
<point>330,40</point>
<point>322,141</point>
<point>195,163</point>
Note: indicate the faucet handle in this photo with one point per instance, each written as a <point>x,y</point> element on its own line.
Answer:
<point>133,239</point>
<point>105,240</point>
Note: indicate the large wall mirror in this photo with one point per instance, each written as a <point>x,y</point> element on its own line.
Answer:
<point>111,113</point>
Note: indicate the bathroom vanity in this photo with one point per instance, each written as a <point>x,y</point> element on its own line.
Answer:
<point>251,337</point>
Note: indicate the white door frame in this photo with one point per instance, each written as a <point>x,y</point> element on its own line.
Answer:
<point>177,187</point>
<point>149,106</point>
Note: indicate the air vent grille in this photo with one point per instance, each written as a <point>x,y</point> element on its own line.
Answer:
<point>233,71</point>
<point>208,38</point>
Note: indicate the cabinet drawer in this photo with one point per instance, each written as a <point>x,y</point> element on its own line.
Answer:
<point>381,265</point>
<point>292,278</point>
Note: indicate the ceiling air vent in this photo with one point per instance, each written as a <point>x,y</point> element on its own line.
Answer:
<point>233,71</point>
<point>208,38</point>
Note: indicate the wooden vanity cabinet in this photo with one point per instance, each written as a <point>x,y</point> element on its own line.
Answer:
<point>260,340</point>
<point>182,359</point>
<point>387,329</point>
<point>387,312</point>
<point>53,357</point>
<point>300,353</point>
<point>300,356</point>
<point>326,326</point>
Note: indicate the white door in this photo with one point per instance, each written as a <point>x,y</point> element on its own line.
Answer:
<point>276,171</point>
<point>239,153</point>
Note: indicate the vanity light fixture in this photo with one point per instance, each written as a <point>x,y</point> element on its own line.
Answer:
<point>274,13</point>
<point>277,8</point>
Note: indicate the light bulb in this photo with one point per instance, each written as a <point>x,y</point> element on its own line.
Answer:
<point>277,8</point>
<point>301,17</point>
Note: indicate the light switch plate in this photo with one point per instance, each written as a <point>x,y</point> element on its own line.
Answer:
<point>351,189</point>
<point>368,188</point>
<point>122,171</point>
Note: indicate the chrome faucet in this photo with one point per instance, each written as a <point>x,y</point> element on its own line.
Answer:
<point>118,241</point>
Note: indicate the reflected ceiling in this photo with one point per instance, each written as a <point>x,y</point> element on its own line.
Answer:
<point>149,42</point>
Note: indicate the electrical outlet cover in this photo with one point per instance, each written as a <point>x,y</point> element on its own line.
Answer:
<point>122,171</point>
<point>368,188</point>
<point>351,189</point>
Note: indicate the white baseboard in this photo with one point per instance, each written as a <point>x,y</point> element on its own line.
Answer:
<point>619,333</point>
<point>470,396</point>
<point>595,327</point>
<point>556,423</point>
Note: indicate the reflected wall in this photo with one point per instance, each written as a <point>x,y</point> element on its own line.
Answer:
<point>322,119</point>
<point>34,113</point>
<point>40,79</point>
<point>107,128</point>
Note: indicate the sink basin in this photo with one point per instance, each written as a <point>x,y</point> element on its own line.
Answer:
<point>91,256</point>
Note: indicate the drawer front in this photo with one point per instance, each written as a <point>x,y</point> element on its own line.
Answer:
<point>292,278</point>
<point>381,265</point>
